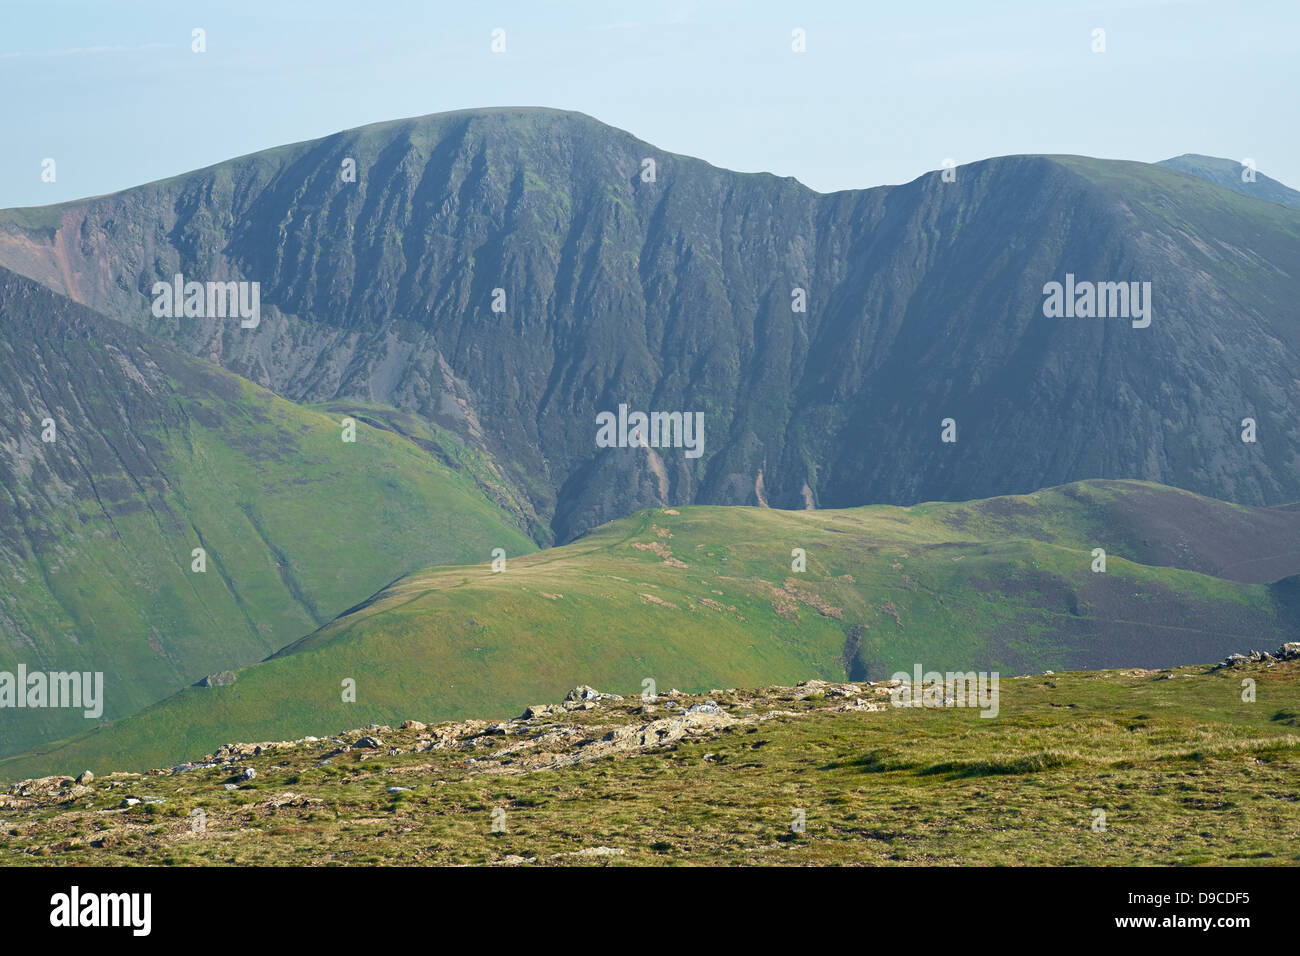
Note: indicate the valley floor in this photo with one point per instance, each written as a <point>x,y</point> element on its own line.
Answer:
<point>1107,767</point>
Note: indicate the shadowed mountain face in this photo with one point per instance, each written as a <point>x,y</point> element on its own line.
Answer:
<point>120,455</point>
<point>924,302</point>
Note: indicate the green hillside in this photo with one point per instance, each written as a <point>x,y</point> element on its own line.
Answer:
<point>704,597</point>
<point>157,454</point>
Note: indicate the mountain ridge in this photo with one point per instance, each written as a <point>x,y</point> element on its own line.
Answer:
<point>1186,162</point>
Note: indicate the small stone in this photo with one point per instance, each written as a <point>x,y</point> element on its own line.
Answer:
<point>599,851</point>
<point>128,802</point>
<point>187,767</point>
<point>413,725</point>
<point>706,707</point>
<point>399,789</point>
<point>248,774</point>
<point>369,743</point>
<point>86,778</point>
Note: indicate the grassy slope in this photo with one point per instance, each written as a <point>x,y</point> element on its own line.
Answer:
<point>270,490</point>
<point>1003,584</point>
<point>1177,762</point>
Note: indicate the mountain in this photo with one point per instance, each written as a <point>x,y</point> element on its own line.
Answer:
<point>703,597</point>
<point>153,454</point>
<point>816,774</point>
<point>674,293</point>
<point>1226,173</point>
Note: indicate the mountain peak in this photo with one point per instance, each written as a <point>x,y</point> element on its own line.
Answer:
<point>1234,175</point>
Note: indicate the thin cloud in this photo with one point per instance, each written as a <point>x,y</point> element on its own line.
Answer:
<point>81,50</point>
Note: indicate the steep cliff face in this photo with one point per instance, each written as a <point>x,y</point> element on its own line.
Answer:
<point>923,302</point>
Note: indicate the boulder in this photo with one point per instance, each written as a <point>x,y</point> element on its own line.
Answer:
<point>538,710</point>
<point>220,679</point>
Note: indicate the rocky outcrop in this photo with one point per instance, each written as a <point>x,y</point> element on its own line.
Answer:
<point>222,679</point>
<point>1289,651</point>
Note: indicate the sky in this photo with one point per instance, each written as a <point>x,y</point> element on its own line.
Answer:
<point>114,93</point>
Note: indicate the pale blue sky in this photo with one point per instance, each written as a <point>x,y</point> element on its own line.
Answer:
<point>885,91</point>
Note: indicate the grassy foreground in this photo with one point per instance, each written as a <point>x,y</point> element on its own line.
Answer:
<point>1185,770</point>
